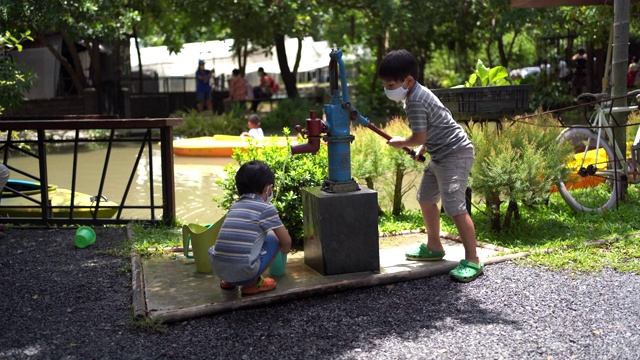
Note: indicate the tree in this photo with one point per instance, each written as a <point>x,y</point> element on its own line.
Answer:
<point>13,82</point>
<point>91,22</point>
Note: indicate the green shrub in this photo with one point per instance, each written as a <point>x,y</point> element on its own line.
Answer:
<point>382,166</point>
<point>288,113</point>
<point>13,81</point>
<point>548,93</point>
<point>293,173</point>
<point>207,124</point>
<point>517,165</point>
<point>401,167</point>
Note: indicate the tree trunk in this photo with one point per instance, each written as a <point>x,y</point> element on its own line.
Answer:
<point>397,191</point>
<point>620,54</point>
<point>298,57</point>
<point>288,77</point>
<point>77,64</point>
<point>512,212</point>
<point>493,203</point>
<point>140,82</point>
<point>77,81</point>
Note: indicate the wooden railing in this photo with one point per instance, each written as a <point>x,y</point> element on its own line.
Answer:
<point>150,133</point>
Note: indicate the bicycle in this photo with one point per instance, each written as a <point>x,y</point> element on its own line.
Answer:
<point>599,168</point>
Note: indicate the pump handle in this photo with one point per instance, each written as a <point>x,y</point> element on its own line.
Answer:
<point>411,152</point>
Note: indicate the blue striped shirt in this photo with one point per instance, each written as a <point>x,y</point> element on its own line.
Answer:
<point>236,254</point>
<point>426,113</point>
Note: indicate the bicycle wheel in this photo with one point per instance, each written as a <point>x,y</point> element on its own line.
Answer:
<point>587,187</point>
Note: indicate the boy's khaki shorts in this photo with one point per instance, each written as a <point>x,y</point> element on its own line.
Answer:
<point>447,179</point>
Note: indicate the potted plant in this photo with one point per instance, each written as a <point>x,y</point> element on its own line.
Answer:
<point>488,94</point>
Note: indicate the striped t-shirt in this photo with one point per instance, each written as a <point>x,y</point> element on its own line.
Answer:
<point>426,113</point>
<point>235,256</point>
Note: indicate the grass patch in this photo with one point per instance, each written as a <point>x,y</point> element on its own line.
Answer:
<point>556,226</point>
<point>146,324</point>
<point>152,240</point>
<point>148,240</point>
<point>389,224</point>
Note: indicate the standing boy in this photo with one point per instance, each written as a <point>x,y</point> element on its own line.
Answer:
<point>445,177</point>
<point>251,234</point>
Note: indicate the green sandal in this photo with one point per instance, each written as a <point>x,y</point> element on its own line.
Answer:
<point>466,271</point>
<point>422,253</point>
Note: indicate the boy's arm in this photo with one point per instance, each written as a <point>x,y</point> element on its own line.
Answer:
<point>416,139</point>
<point>283,238</point>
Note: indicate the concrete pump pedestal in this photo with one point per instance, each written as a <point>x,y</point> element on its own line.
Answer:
<point>341,231</point>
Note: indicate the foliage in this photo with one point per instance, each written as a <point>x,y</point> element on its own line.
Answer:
<point>13,82</point>
<point>370,99</point>
<point>94,22</point>
<point>383,167</point>
<point>401,167</point>
<point>548,93</point>
<point>293,173</point>
<point>517,165</point>
<point>390,224</point>
<point>367,160</point>
<point>634,122</point>
<point>288,113</point>
<point>148,240</point>
<point>207,124</point>
<point>556,226</point>
<point>483,76</point>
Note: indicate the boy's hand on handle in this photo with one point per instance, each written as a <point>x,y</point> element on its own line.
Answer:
<point>418,153</point>
<point>397,142</point>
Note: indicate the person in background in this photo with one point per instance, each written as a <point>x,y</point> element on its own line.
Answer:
<point>445,177</point>
<point>251,235</point>
<point>203,87</point>
<point>579,83</point>
<point>237,86</point>
<point>264,90</point>
<point>562,70</point>
<point>632,72</point>
<point>255,132</point>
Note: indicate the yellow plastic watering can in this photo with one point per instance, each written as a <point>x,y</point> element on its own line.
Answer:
<point>201,238</point>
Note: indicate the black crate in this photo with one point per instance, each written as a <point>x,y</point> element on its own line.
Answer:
<point>485,103</point>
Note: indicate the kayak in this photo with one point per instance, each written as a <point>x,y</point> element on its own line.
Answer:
<point>221,145</point>
<point>14,205</point>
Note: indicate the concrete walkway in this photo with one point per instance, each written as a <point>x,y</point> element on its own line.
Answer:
<point>170,289</point>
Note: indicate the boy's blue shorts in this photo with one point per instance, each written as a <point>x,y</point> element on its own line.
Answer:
<point>269,251</point>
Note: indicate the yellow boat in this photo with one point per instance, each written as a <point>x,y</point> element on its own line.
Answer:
<point>13,205</point>
<point>221,145</point>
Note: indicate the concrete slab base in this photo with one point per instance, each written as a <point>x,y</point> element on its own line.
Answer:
<point>173,291</point>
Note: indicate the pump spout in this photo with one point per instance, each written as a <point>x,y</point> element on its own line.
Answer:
<point>313,132</point>
<point>312,146</point>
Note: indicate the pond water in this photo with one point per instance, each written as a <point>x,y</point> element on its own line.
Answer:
<point>195,179</point>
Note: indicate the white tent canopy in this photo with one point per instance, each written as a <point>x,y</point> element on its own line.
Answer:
<point>218,55</point>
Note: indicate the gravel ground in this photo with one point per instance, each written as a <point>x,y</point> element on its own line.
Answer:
<point>59,302</point>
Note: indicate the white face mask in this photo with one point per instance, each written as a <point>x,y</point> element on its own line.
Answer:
<point>398,94</point>
<point>270,196</point>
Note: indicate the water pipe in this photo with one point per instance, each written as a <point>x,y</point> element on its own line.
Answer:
<point>313,132</point>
